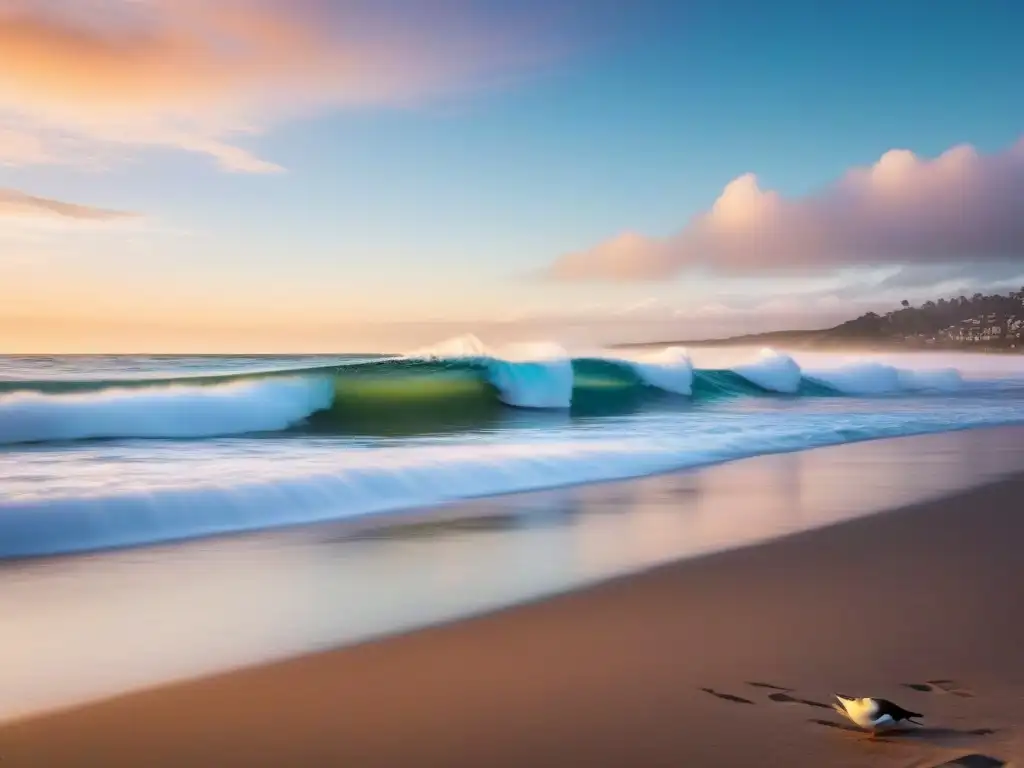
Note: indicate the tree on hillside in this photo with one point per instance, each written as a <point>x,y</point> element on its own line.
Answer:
<point>994,318</point>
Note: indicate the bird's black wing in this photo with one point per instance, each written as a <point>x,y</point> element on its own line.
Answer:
<point>895,711</point>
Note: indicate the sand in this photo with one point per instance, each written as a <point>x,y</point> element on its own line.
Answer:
<point>724,660</point>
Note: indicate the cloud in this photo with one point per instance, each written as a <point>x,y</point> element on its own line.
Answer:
<point>902,210</point>
<point>198,75</point>
<point>18,205</point>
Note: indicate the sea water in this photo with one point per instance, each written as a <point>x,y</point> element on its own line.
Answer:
<point>116,451</point>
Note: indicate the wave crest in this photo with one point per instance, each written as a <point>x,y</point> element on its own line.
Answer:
<point>460,382</point>
<point>177,411</point>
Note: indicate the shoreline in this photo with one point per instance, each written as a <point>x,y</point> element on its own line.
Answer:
<point>807,588</point>
<point>450,511</point>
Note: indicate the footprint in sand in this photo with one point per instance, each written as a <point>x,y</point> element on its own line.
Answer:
<point>942,686</point>
<point>923,687</point>
<point>973,761</point>
<point>951,686</point>
<point>781,695</point>
<point>770,686</point>
<point>727,696</point>
<point>785,698</point>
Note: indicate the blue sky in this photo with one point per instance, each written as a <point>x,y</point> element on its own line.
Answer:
<point>452,203</point>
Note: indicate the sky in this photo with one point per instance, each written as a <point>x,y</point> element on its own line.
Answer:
<point>311,176</point>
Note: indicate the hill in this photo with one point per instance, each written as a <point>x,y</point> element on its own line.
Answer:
<point>981,323</point>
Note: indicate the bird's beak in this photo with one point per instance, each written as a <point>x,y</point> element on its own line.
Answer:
<point>841,706</point>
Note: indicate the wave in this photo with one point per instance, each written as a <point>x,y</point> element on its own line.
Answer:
<point>459,384</point>
<point>877,378</point>
<point>525,376</point>
<point>245,493</point>
<point>167,412</point>
<point>774,371</point>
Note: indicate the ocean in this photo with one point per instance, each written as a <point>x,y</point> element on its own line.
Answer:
<point>100,452</point>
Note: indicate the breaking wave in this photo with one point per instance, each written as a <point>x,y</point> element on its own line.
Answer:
<point>457,384</point>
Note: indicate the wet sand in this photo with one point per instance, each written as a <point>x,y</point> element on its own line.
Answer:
<point>726,660</point>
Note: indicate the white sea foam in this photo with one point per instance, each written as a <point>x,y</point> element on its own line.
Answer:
<point>669,369</point>
<point>539,375</point>
<point>533,384</point>
<point>465,346</point>
<point>230,491</point>
<point>176,411</point>
<point>780,372</point>
<point>878,378</point>
<point>536,375</point>
<point>773,371</point>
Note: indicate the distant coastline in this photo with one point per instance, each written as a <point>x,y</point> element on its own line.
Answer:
<point>977,324</point>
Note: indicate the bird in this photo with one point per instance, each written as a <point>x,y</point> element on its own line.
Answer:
<point>873,714</point>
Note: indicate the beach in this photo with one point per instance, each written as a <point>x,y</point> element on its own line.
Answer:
<point>921,605</point>
<point>451,384</point>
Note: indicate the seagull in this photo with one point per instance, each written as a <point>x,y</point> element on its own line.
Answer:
<point>873,714</point>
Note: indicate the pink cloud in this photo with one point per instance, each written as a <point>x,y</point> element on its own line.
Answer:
<point>902,210</point>
<point>16,204</point>
<point>198,74</point>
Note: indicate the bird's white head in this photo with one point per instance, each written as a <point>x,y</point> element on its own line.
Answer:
<point>857,709</point>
